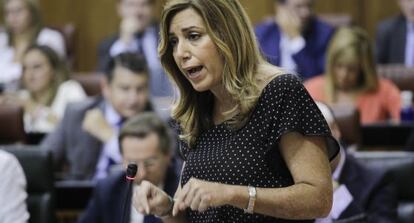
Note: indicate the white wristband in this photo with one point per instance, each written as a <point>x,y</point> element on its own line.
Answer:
<point>252,200</point>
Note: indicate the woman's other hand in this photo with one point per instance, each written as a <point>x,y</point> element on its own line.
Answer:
<point>200,195</point>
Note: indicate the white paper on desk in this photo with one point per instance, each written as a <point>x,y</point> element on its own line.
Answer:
<point>341,200</point>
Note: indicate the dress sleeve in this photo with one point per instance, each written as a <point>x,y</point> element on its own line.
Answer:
<point>290,108</point>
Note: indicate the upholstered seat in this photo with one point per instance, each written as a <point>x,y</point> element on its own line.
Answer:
<point>12,126</point>
<point>401,166</point>
<point>91,82</point>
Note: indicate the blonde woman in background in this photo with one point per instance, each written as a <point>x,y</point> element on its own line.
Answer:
<point>23,28</point>
<point>351,79</point>
<point>47,89</point>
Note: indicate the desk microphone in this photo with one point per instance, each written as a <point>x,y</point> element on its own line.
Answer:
<point>131,171</point>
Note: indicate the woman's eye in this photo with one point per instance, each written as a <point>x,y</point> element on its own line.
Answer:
<point>193,36</point>
<point>173,41</point>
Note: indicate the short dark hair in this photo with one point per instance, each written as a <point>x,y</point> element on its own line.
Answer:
<point>131,61</point>
<point>145,123</point>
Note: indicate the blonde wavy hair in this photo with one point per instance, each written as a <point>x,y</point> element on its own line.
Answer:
<point>351,45</point>
<point>229,28</point>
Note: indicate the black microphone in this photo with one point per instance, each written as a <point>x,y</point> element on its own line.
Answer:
<point>130,177</point>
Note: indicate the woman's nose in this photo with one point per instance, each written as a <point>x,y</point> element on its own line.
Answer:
<point>182,51</point>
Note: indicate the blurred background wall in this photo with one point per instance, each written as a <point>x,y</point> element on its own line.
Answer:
<point>96,19</point>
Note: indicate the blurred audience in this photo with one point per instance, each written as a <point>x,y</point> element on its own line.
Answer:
<point>138,32</point>
<point>23,28</point>
<point>361,194</point>
<point>295,39</point>
<point>351,79</point>
<point>146,141</point>
<point>13,194</point>
<point>47,89</point>
<point>85,143</point>
<point>395,37</point>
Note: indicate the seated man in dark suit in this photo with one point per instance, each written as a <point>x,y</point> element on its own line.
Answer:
<point>85,145</point>
<point>361,194</point>
<point>395,37</point>
<point>145,140</point>
<point>295,39</point>
<point>138,33</point>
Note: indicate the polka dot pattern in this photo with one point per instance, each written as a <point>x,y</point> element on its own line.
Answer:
<point>250,155</point>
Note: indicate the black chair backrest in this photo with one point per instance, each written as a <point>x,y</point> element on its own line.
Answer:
<point>38,168</point>
<point>401,166</point>
<point>12,126</point>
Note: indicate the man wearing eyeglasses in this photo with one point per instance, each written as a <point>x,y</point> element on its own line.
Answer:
<point>145,140</point>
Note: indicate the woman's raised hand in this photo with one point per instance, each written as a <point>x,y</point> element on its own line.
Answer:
<point>199,195</point>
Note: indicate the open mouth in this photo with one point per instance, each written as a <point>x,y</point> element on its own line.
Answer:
<point>194,71</point>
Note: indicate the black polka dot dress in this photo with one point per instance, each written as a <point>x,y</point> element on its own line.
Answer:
<point>250,155</point>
